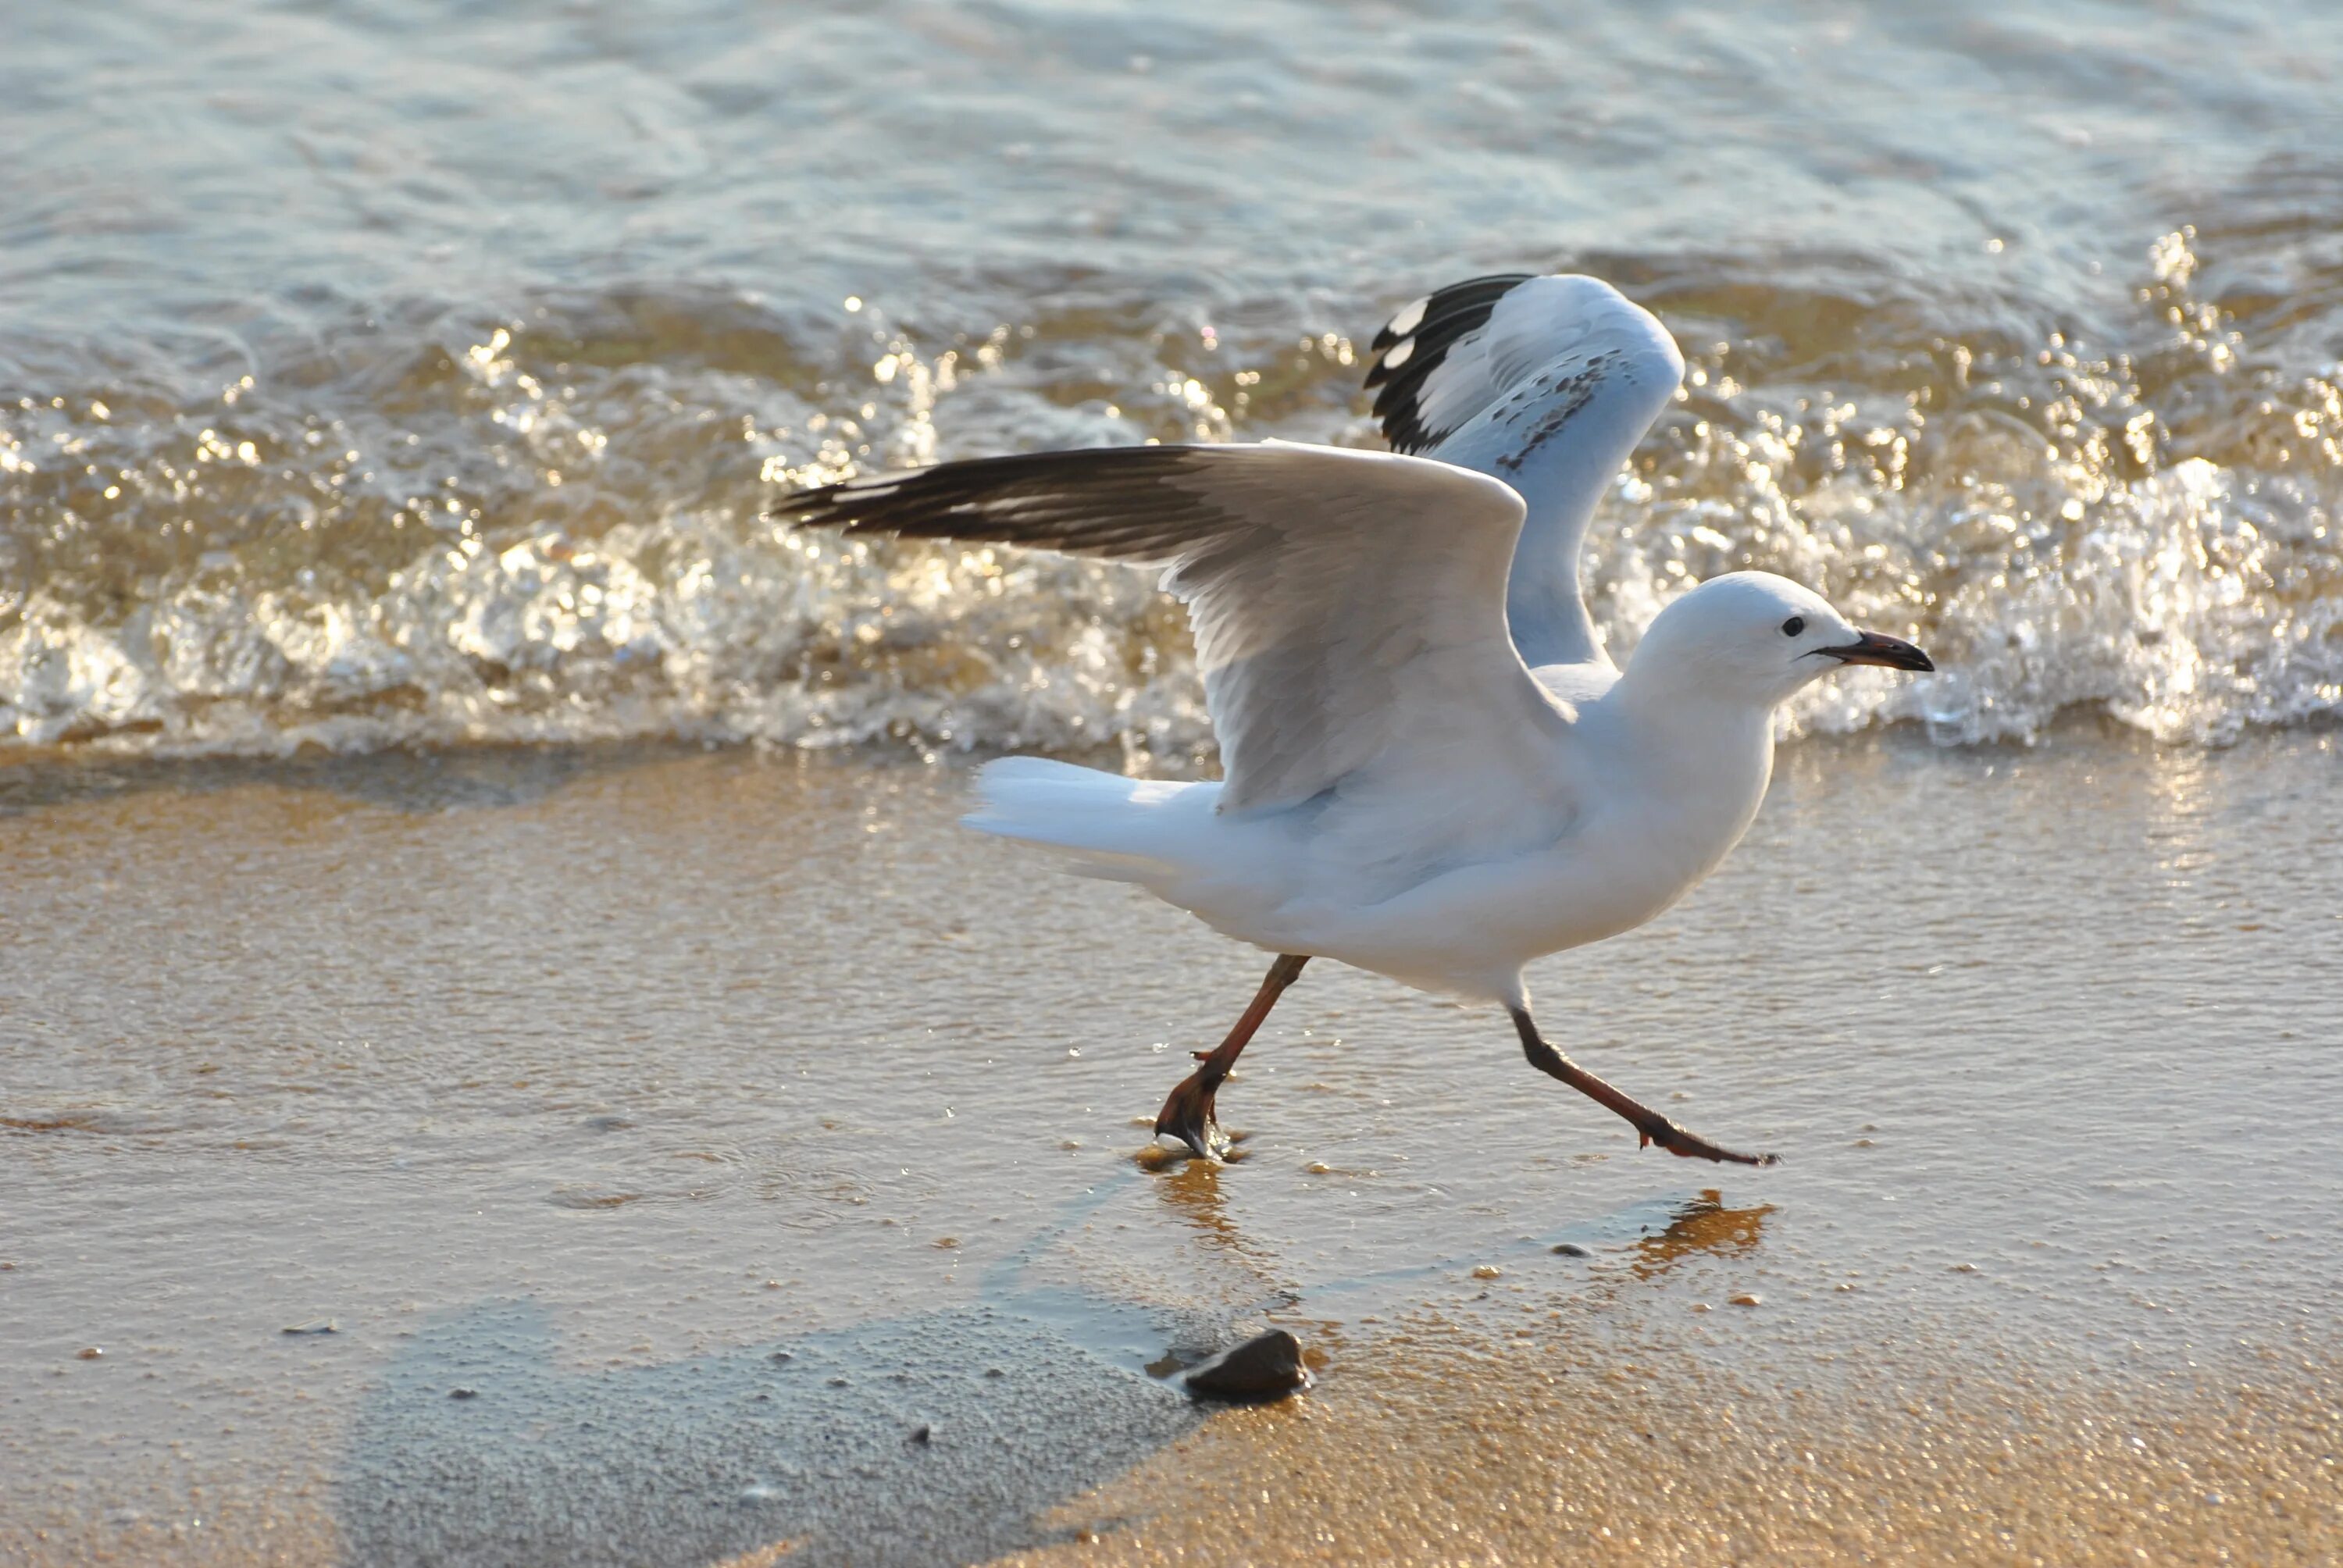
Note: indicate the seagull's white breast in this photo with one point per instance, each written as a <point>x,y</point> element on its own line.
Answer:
<point>1663,799</point>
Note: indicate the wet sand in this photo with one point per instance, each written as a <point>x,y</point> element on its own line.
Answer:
<point>1561,1441</point>
<point>719,1120</point>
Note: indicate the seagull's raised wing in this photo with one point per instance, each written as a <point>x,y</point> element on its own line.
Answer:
<point>1348,606</point>
<point>1547,384</point>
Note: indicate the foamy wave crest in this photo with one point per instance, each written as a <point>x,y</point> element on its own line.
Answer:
<point>2184,603</point>
<point>2175,603</point>
<point>551,532</point>
<point>691,628</point>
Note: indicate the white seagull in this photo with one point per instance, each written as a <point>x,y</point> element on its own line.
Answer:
<point>1433,770</point>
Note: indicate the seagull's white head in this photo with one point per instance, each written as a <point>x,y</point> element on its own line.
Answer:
<point>1757,637</point>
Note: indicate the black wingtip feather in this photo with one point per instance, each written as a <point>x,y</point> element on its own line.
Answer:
<point>1448,315</point>
<point>1116,502</point>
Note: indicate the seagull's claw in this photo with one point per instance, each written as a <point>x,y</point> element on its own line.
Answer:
<point>1187,1115</point>
<point>1689,1145</point>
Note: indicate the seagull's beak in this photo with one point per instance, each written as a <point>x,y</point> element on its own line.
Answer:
<point>1878,648</point>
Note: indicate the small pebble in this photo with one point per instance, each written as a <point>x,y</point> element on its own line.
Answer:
<point>1488,1272</point>
<point>1965,1268</point>
<point>923,1433</point>
<point>1319,1168</point>
<point>90,1353</point>
<point>837,1383</point>
<point>314,1326</point>
<point>994,1371</point>
<point>947,1241</point>
<point>1700,1306</point>
<point>772,1284</point>
<point>1745,1299</point>
<point>1571,1250</point>
<point>463,1393</point>
<point>778,1357</point>
<point>1266,1367</point>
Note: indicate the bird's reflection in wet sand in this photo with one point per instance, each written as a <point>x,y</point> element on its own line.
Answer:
<point>1190,1189</point>
<point>1700,1225</point>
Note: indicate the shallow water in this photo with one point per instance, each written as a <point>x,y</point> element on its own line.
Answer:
<point>381,372</point>
<point>588,1082</point>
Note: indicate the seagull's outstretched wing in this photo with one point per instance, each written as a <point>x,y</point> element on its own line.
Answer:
<point>1348,606</point>
<point>1547,384</point>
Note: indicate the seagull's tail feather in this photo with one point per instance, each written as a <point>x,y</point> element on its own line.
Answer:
<point>1126,829</point>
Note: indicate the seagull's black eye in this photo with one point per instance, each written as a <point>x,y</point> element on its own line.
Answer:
<point>1794,625</point>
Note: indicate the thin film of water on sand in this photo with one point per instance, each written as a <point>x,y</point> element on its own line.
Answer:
<point>608,1081</point>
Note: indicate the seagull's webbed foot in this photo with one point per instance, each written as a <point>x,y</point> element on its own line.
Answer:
<point>1689,1145</point>
<point>1186,1112</point>
<point>1650,1127</point>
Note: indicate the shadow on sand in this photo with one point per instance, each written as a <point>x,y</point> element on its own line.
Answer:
<point>816,1442</point>
<point>934,1437</point>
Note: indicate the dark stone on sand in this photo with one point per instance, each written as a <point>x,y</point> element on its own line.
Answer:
<point>1571,1249</point>
<point>923,1433</point>
<point>463,1393</point>
<point>779,1356</point>
<point>1264,1368</point>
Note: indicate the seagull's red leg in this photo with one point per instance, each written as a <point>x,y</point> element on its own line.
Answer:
<point>1650,1125</point>
<point>1186,1112</point>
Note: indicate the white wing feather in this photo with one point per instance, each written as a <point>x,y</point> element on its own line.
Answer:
<point>1348,606</point>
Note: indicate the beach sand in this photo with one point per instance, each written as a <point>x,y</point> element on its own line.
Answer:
<point>590,1083</point>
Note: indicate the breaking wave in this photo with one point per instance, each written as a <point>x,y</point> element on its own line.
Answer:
<point>549,530</point>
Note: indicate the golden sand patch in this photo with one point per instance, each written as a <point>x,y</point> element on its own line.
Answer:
<point>1447,1447</point>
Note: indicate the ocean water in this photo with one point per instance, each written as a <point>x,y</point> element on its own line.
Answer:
<point>402,372</point>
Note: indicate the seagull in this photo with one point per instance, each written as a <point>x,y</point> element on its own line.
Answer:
<point>1431,769</point>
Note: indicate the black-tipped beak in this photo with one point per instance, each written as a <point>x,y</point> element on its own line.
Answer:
<point>1877,648</point>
